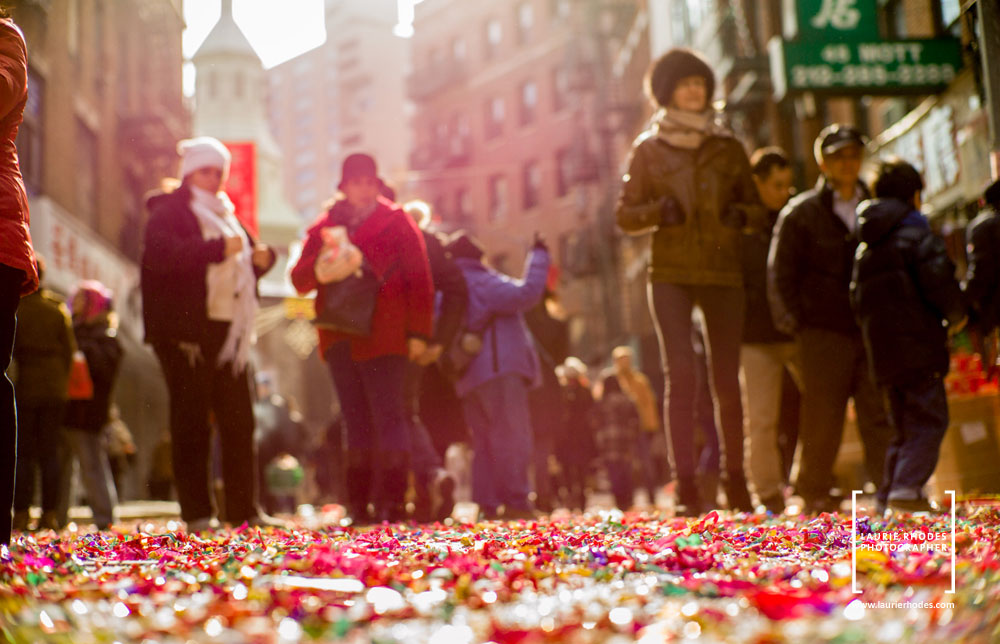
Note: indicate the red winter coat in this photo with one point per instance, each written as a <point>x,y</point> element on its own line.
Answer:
<point>394,248</point>
<point>15,240</point>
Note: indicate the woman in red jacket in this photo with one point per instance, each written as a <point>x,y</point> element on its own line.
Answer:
<point>369,371</point>
<point>17,262</point>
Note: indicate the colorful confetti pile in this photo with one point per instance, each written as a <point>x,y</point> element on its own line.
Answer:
<point>605,577</point>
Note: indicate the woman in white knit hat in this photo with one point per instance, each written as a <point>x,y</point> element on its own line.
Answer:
<point>200,268</point>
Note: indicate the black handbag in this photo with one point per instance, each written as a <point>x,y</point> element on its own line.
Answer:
<point>348,306</point>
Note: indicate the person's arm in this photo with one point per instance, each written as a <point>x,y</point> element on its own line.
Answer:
<point>508,295</point>
<point>935,276</point>
<point>416,273</point>
<point>303,274</point>
<point>638,210</point>
<point>784,272</point>
<point>13,67</point>
<point>68,337</point>
<point>165,249</point>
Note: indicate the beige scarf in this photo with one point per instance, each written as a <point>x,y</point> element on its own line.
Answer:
<point>687,130</point>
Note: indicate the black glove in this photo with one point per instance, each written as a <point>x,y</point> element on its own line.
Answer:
<point>671,213</point>
<point>733,216</point>
<point>539,242</point>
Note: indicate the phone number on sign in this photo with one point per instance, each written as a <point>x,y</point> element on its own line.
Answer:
<point>819,76</point>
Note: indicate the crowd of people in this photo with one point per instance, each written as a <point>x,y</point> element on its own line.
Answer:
<point>843,291</point>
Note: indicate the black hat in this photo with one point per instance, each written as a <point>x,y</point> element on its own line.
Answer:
<point>670,68</point>
<point>836,137</point>
<point>463,244</point>
<point>357,165</point>
<point>992,194</point>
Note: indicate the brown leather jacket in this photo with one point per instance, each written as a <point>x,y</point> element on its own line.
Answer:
<point>696,239</point>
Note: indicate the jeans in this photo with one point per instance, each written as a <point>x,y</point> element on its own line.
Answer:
<point>722,307</point>
<point>10,296</point>
<point>95,474</point>
<point>38,440</point>
<point>497,414</point>
<point>196,391</point>
<point>835,369</point>
<point>424,459</point>
<point>762,376</point>
<point>919,414</point>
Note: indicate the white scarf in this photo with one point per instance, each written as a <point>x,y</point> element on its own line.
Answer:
<point>687,130</point>
<point>231,283</point>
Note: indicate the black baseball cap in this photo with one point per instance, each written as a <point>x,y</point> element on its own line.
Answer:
<point>837,137</point>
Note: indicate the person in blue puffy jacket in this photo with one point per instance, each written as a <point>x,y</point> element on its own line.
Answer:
<point>494,388</point>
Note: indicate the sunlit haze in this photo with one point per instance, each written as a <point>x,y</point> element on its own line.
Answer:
<point>275,34</point>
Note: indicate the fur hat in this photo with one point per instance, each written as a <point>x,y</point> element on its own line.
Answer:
<point>203,152</point>
<point>463,244</point>
<point>358,165</point>
<point>670,68</point>
<point>992,194</point>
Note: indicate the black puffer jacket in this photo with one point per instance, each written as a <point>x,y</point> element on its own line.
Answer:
<point>809,266</point>
<point>982,281</point>
<point>903,289</point>
<point>758,324</point>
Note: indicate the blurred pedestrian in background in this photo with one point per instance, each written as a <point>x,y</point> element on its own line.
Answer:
<point>17,263</point>
<point>576,448</point>
<point>809,277</point>
<point>689,182</point>
<point>494,388</point>
<point>369,371</point>
<point>43,351</point>
<point>200,268</point>
<point>907,302</point>
<point>95,326</point>
<point>635,385</point>
<point>982,279</point>
<point>616,438</point>
<point>766,351</point>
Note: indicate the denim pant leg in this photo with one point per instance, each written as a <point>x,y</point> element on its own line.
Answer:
<point>671,307</point>
<point>920,413</point>
<point>874,428</point>
<point>383,382</point>
<point>477,415</point>
<point>424,459</point>
<point>359,432</point>
<point>95,475</point>
<point>512,442</point>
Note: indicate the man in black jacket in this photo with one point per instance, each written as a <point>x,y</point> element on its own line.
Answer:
<point>809,275</point>
<point>904,290</point>
<point>982,281</point>
<point>765,352</point>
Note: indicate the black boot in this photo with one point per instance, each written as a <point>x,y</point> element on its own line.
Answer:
<point>708,488</point>
<point>393,477</point>
<point>358,481</point>
<point>688,501</point>
<point>736,492</point>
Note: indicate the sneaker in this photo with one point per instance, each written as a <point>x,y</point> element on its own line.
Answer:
<point>50,521</point>
<point>205,524</point>
<point>819,506</point>
<point>775,504</point>
<point>261,520</point>
<point>518,514</point>
<point>914,505</point>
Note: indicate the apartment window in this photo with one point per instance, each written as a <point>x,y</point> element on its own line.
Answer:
<point>531,176</point>
<point>463,202</point>
<point>494,34</point>
<point>529,102</point>
<point>494,117</point>
<point>950,12</point>
<point>29,135</point>
<point>559,8</point>
<point>525,22</point>
<point>86,172</point>
<point>560,88</point>
<point>564,172</point>
<point>304,176</point>
<point>498,199</point>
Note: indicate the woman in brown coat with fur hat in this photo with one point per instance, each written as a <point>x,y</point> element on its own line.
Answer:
<point>689,183</point>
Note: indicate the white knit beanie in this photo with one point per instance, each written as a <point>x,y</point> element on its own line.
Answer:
<point>203,152</point>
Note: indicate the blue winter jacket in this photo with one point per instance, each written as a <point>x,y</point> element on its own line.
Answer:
<point>497,303</point>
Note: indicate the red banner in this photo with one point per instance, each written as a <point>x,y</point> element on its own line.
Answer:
<point>242,184</point>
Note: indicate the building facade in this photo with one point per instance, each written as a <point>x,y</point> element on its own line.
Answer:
<point>515,110</point>
<point>344,96</point>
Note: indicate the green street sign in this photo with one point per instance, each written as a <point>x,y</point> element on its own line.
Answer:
<point>870,67</point>
<point>836,20</point>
